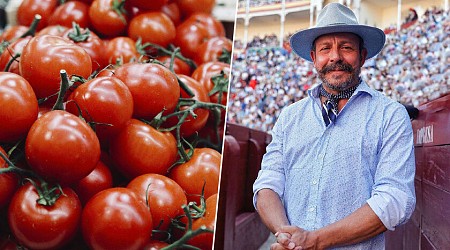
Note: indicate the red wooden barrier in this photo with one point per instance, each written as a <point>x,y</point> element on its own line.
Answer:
<point>429,227</point>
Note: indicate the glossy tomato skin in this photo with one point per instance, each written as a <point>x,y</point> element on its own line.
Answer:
<point>45,56</point>
<point>105,20</point>
<point>202,168</point>
<point>43,227</point>
<point>61,147</point>
<point>191,124</point>
<point>99,179</point>
<point>148,5</point>
<point>204,72</point>
<point>116,218</point>
<point>68,12</point>
<point>93,45</point>
<point>189,36</point>
<point>212,24</point>
<point>155,245</point>
<point>121,49</point>
<point>104,100</point>
<point>173,12</point>
<point>154,88</point>
<point>10,33</point>
<point>55,30</point>
<point>152,27</point>
<point>179,66</point>
<point>189,7</point>
<point>29,8</point>
<point>140,149</point>
<point>12,50</point>
<point>165,197</point>
<point>205,240</point>
<point>212,49</point>
<point>8,183</point>
<point>19,107</point>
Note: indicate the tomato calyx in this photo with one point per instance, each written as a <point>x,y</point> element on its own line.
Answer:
<point>47,195</point>
<point>118,6</point>
<point>175,52</point>
<point>220,85</point>
<point>225,57</point>
<point>77,35</point>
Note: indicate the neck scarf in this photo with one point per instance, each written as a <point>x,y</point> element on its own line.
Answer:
<point>330,106</point>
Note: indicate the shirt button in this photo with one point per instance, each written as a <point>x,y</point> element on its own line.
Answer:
<point>314,182</point>
<point>311,209</point>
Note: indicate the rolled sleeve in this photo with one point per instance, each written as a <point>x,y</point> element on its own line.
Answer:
<point>268,179</point>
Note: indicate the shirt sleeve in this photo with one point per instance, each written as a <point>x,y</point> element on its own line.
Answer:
<point>271,175</point>
<point>393,195</point>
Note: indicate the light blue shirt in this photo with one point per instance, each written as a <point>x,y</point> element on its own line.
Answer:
<point>322,174</point>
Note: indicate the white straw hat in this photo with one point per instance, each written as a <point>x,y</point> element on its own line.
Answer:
<point>337,18</point>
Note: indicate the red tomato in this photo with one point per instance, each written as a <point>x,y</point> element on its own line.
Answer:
<point>154,88</point>
<point>14,49</point>
<point>45,56</point>
<point>29,8</point>
<point>140,149</point>
<point>205,240</point>
<point>55,30</point>
<point>212,24</point>
<point>90,42</point>
<point>61,147</point>
<point>152,27</point>
<point>212,49</point>
<point>108,17</point>
<point>165,197</point>
<point>148,5</point>
<point>13,32</point>
<point>205,71</point>
<point>173,12</point>
<point>99,179</point>
<point>189,7</point>
<point>37,226</point>
<point>8,183</point>
<point>189,36</point>
<point>104,100</point>
<point>202,169</point>
<point>179,66</point>
<point>155,245</point>
<point>121,50</point>
<point>116,218</point>
<point>69,12</point>
<point>19,107</point>
<point>191,124</point>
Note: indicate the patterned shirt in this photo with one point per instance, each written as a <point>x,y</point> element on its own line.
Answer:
<point>322,174</point>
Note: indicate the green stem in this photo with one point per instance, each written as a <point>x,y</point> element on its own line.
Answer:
<point>13,58</point>
<point>59,105</point>
<point>13,169</point>
<point>32,30</point>
<point>169,53</point>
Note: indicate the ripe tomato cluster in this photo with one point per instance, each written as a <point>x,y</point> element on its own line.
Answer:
<point>111,124</point>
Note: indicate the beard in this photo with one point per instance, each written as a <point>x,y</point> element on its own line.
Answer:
<point>351,80</point>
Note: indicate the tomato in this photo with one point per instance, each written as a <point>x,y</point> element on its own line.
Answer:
<point>45,56</point>
<point>165,197</point>
<point>154,88</point>
<point>155,245</point>
<point>104,100</point>
<point>121,50</point>
<point>213,49</point>
<point>55,30</point>
<point>140,149</point>
<point>43,227</point>
<point>173,12</point>
<point>148,5</point>
<point>29,8</point>
<point>179,66</point>
<point>61,147</point>
<point>13,32</point>
<point>99,179</point>
<point>8,183</point>
<point>205,71</point>
<point>152,27</point>
<point>91,43</point>
<point>212,24</point>
<point>69,12</point>
<point>202,169</point>
<point>191,124</point>
<point>108,17</point>
<point>189,36</point>
<point>205,240</point>
<point>14,49</point>
<point>19,107</point>
<point>116,218</point>
<point>189,7</point>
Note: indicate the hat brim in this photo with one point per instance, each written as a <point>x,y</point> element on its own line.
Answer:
<point>302,41</point>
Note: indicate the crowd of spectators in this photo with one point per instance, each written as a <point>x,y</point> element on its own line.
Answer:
<point>413,68</point>
<point>258,3</point>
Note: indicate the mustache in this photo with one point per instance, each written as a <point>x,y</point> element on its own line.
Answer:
<point>337,66</point>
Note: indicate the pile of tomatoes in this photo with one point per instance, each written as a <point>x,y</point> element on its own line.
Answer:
<point>111,124</point>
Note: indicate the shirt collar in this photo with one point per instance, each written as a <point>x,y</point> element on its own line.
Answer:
<point>362,87</point>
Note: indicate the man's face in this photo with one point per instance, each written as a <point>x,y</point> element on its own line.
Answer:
<point>338,60</point>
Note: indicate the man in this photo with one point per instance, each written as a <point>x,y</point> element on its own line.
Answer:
<point>340,168</point>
